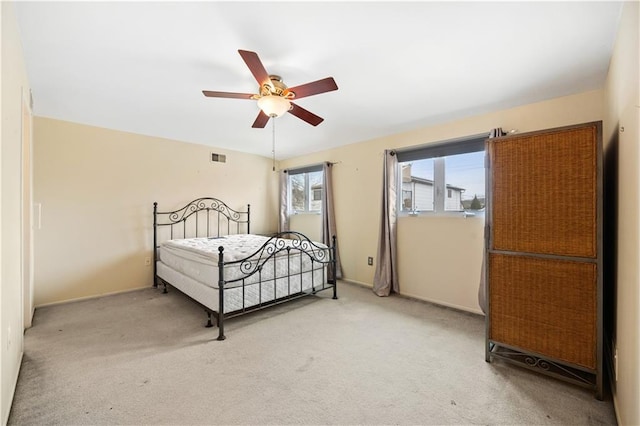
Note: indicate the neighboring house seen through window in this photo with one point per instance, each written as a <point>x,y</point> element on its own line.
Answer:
<point>305,186</point>
<point>443,178</point>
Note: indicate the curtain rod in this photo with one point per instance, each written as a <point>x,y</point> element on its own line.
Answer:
<point>307,166</point>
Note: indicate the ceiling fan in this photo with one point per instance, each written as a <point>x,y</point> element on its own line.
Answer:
<point>274,97</point>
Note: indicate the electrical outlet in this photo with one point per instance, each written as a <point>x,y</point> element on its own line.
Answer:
<point>147,261</point>
<point>370,261</point>
<point>615,363</point>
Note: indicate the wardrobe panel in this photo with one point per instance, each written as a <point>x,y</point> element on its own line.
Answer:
<point>545,306</point>
<point>545,194</point>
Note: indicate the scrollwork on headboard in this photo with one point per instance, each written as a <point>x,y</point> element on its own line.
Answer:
<point>206,203</point>
<point>194,223</point>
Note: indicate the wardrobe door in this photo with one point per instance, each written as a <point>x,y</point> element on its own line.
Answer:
<point>545,306</point>
<point>544,269</point>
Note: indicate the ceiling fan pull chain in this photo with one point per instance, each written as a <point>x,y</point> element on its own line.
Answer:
<point>273,143</point>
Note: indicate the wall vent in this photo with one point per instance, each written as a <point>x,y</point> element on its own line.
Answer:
<point>218,158</point>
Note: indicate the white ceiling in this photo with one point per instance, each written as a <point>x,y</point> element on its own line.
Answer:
<point>141,66</point>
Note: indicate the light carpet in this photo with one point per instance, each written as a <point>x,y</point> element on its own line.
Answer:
<point>145,358</point>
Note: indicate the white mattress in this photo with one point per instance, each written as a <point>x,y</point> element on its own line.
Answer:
<point>191,265</point>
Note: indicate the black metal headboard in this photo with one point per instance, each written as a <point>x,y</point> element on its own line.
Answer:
<point>196,219</point>
<point>202,217</point>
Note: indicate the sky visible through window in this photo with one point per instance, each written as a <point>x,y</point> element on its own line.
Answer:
<point>463,171</point>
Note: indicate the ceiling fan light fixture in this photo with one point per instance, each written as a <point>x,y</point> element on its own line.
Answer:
<point>274,106</point>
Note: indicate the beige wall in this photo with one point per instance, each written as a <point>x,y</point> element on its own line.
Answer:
<point>446,267</point>
<point>309,224</point>
<point>622,111</point>
<point>431,267</point>
<point>15,88</point>
<point>96,189</point>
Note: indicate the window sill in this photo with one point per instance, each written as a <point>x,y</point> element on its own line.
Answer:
<point>460,214</point>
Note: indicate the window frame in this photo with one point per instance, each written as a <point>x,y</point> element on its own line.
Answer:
<point>309,193</point>
<point>437,151</point>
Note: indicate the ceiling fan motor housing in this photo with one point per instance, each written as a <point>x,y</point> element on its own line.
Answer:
<point>276,87</point>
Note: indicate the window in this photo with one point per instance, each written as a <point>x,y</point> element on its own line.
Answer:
<point>305,190</point>
<point>317,194</point>
<point>443,178</point>
<point>407,200</point>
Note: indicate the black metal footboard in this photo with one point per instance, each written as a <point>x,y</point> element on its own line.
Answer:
<point>287,266</point>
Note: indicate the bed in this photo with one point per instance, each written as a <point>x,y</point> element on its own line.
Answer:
<point>206,251</point>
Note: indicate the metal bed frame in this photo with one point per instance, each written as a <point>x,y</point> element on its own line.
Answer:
<point>211,218</point>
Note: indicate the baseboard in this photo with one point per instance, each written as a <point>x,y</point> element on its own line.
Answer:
<point>360,283</point>
<point>423,299</point>
<point>5,418</point>
<point>611,372</point>
<point>615,409</point>
<point>443,304</point>
<point>95,296</point>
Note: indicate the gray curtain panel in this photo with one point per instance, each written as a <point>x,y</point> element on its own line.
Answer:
<point>283,220</point>
<point>328,215</point>
<point>482,288</point>
<point>385,280</point>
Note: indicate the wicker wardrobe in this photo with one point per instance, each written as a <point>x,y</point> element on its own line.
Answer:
<point>544,252</point>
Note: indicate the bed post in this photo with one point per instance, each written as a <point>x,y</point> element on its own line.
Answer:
<point>155,226</point>
<point>221,293</point>
<point>333,267</point>
<point>248,218</point>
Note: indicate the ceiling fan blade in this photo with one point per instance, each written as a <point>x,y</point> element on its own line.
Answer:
<point>210,94</point>
<point>261,120</point>
<point>305,115</point>
<point>255,66</point>
<point>309,89</point>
